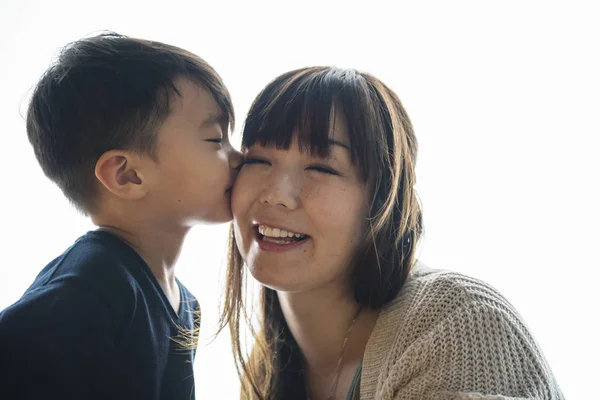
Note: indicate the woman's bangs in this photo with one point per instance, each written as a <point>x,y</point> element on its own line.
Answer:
<point>298,108</point>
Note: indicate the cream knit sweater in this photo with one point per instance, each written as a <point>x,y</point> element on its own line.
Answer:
<point>448,336</point>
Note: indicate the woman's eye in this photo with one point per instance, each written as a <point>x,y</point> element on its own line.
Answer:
<point>250,160</point>
<point>321,168</point>
<point>215,140</point>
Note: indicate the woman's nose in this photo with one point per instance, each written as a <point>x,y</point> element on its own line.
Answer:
<point>281,190</point>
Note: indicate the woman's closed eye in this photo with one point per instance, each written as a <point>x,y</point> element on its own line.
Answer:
<point>215,140</point>
<point>324,169</point>
<point>254,160</point>
<point>319,168</point>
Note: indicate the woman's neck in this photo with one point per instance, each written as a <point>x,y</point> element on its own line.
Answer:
<point>320,322</point>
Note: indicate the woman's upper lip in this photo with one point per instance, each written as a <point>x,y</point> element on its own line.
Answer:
<point>273,224</point>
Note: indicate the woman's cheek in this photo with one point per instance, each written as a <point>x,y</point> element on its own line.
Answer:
<point>240,197</point>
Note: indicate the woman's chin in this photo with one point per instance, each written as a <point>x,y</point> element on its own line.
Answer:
<point>275,281</point>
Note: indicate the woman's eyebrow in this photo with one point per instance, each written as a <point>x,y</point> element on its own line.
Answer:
<point>337,143</point>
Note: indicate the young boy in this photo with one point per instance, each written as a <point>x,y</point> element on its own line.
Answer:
<point>135,133</point>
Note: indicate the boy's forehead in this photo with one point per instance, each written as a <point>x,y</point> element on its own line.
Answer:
<point>193,98</point>
<point>187,89</point>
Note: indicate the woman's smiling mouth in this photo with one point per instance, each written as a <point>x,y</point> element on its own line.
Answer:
<point>271,238</point>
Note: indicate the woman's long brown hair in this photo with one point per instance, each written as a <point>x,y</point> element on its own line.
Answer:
<point>298,105</point>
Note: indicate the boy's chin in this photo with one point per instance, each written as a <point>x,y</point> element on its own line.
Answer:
<point>221,217</point>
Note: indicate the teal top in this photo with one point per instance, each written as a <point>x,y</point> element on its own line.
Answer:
<point>354,389</point>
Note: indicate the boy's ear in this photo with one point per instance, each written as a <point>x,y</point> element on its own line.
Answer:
<point>120,173</point>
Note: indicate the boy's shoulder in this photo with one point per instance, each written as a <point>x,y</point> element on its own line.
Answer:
<point>98,259</point>
<point>95,314</point>
<point>98,271</point>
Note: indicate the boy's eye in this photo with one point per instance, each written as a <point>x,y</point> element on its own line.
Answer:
<point>323,169</point>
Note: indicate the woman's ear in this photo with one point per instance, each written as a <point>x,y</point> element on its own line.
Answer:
<point>119,172</point>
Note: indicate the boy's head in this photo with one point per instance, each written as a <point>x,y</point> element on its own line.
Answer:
<point>135,120</point>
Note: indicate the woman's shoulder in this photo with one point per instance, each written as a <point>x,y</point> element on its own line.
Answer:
<point>430,298</point>
<point>451,327</point>
<point>443,291</point>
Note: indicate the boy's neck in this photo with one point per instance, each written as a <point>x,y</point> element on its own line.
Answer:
<point>159,248</point>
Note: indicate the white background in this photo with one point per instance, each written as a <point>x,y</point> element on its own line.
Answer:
<point>504,96</point>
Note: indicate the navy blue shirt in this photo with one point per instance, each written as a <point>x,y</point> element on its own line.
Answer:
<point>96,324</point>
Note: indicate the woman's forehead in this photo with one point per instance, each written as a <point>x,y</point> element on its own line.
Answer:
<point>338,133</point>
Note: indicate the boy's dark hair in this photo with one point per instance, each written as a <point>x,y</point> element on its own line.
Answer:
<point>108,92</point>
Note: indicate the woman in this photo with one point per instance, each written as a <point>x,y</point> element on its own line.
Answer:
<point>326,219</point>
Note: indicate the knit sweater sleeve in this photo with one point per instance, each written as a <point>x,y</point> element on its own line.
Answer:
<point>470,343</point>
<point>480,351</point>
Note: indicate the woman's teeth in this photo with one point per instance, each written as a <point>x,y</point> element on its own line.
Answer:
<point>272,233</point>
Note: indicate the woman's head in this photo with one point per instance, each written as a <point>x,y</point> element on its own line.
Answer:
<point>330,156</point>
<point>300,215</point>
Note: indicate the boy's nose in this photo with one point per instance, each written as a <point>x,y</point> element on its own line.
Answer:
<point>235,159</point>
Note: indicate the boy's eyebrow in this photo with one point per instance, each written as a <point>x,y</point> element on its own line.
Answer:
<point>213,118</point>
